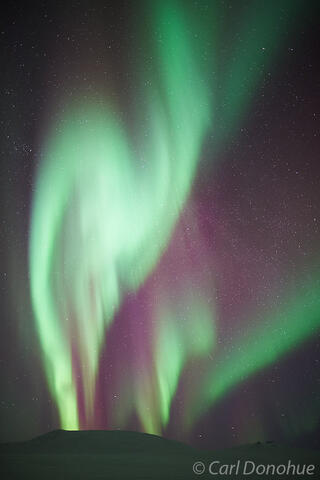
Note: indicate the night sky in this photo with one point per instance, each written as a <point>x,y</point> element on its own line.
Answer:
<point>160,219</point>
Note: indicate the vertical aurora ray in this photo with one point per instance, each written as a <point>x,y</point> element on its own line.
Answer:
<point>67,270</point>
<point>184,332</point>
<point>180,336</point>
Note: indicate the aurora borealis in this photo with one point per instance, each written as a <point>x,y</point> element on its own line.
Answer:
<point>169,272</point>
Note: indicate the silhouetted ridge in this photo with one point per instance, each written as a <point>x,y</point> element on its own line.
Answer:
<point>97,442</point>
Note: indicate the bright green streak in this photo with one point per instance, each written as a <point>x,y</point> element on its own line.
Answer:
<point>102,215</point>
<point>184,332</point>
<point>180,337</point>
<point>66,258</point>
<point>273,336</point>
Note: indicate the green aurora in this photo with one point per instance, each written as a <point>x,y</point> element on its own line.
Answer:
<point>104,212</point>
